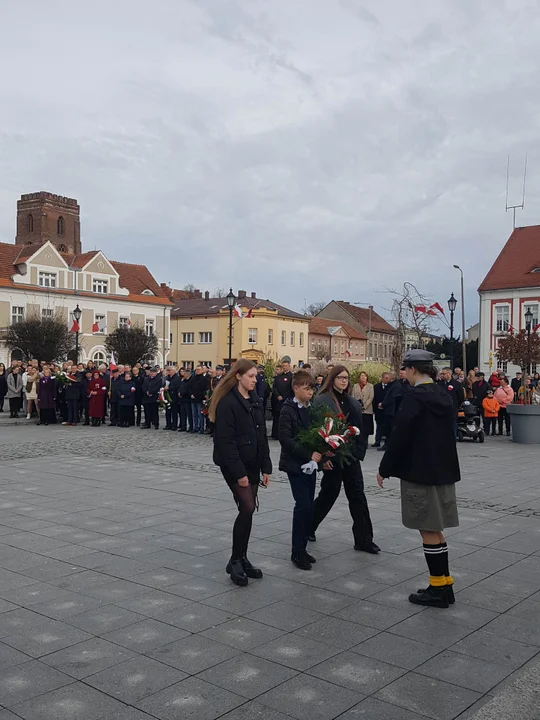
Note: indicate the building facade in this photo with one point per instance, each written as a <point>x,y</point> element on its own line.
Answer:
<point>335,342</point>
<point>200,331</point>
<point>379,333</point>
<point>45,274</point>
<point>511,287</point>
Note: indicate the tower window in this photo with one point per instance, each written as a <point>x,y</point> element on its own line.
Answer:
<point>30,223</point>
<point>60,226</point>
<point>62,248</point>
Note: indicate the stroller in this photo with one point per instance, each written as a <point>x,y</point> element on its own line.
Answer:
<point>469,423</point>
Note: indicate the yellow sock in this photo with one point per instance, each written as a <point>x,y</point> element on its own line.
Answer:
<point>437,581</point>
<point>449,580</point>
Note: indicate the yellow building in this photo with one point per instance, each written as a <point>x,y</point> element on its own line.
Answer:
<point>200,331</point>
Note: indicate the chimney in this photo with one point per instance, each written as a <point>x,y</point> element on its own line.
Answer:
<point>198,294</point>
<point>167,290</point>
<point>207,295</point>
<point>241,294</point>
<point>254,295</point>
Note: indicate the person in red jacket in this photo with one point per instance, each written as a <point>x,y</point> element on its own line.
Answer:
<point>97,391</point>
<point>491,412</point>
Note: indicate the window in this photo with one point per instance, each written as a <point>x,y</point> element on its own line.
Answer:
<point>147,292</point>
<point>62,248</point>
<point>30,223</point>
<point>502,366</point>
<point>502,318</point>
<point>171,363</point>
<point>534,368</point>
<point>270,337</point>
<point>301,340</point>
<point>336,347</point>
<point>47,313</point>
<point>534,309</point>
<point>370,349</point>
<point>60,226</point>
<point>205,363</point>
<point>99,323</point>
<point>47,279</point>
<point>283,337</point>
<point>252,336</point>
<point>186,364</point>
<point>188,338</point>
<point>205,338</point>
<point>98,356</point>
<point>100,286</point>
<point>149,327</point>
<point>124,322</point>
<point>292,339</point>
<point>313,345</point>
<point>170,343</point>
<point>343,346</point>
<point>17,314</point>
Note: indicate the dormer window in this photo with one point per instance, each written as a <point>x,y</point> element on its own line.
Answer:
<point>147,292</point>
<point>100,286</point>
<point>536,270</point>
<point>60,226</point>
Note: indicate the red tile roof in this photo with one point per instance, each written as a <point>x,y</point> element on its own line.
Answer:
<point>320,326</point>
<point>212,306</point>
<point>516,262</point>
<point>362,316</point>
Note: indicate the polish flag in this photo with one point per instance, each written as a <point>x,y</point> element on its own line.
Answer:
<point>420,309</point>
<point>75,327</point>
<point>536,327</point>
<point>249,313</point>
<point>437,307</point>
<point>112,362</point>
<point>237,311</point>
<point>99,326</point>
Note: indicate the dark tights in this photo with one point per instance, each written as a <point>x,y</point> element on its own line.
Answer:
<point>245,498</point>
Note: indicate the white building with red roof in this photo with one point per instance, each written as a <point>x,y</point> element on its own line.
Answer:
<point>45,273</point>
<point>511,287</point>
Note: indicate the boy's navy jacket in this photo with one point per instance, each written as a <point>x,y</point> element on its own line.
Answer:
<point>292,419</point>
<point>72,391</point>
<point>125,389</point>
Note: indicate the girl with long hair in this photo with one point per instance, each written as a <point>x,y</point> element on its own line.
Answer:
<point>241,451</point>
<point>335,394</point>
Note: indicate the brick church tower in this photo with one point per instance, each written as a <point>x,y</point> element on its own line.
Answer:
<point>42,216</point>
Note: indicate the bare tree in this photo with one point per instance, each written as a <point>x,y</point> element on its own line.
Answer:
<point>412,315</point>
<point>314,308</point>
<point>131,345</point>
<point>219,293</point>
<point>191,290</point>
<point>41,338</point>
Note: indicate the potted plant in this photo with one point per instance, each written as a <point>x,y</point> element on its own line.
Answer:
<point>523,349</point>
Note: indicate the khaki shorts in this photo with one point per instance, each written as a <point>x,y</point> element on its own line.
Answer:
<point>428,507</point>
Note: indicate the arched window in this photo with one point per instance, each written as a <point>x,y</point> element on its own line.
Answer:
<point>60,226</point>
<point>30,223</point>
<point>62,248</point>
<point>98,356</point>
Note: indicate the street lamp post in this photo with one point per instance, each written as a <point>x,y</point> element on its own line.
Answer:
<point>231,300</point>
<point>77,314</point>
<point>528,325</point>
<point>463,337</point>
<point>452,304</point>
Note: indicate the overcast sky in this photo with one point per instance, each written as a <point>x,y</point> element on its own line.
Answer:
<point>311,149</point>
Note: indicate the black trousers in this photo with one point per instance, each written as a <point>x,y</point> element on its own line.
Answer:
<point>15,405</point>
<point>275,425</point>
<point>138,408</point>
<point>353,484</point>
<point>151,415</point>
<point>127,415</point>
<point>72,411</point>
<point>381,431</point>
<point>186,422</point>
<point>490,424</point>
<point>114,413</point>
<point>504,419</point>
<point>171,416</point>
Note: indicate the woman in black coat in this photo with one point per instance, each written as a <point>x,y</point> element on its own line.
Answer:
<point>3,385</point>
<point>137,378</point>
<point>127,392</point>
<point>242,453</point>
<point>335,394</point>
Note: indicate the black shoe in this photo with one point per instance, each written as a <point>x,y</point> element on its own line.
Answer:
<point>382,448</point>
<point>236,570</point>
<point>431,597</point>
<point>310,558</point>
<point>449,593</point>
<point>251,572</point>
<point>312,537</point>
<point>301,561</point>
<point>371,548</point>
<point>376,444</point>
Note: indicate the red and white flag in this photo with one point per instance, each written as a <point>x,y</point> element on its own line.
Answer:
<point>249,313</point>
<point>75,327</point>
<point>99,326</point>
<point>437,307</point>
<point>237,311</point>
<point>112,362</point>
<point>536,327</point>
<point>420,309</point>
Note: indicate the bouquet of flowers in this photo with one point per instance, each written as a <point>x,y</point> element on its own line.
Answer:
<point>206,402</point>
<point>61,378</point>
<point>330,435</point>
<point>164,399</point>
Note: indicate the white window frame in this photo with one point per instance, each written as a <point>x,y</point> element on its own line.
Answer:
<point>17,314</point>
<point>205,338</point>
<point>97,318</point>
<point>100,287</point>
<point>149,327</point>
<point>205,363</point>
<point>123,321</point>
<point>252,336</point>
<point>534,308</point>
<point>301,339</point>
<point>98,356</point>
<point>47,313</point>
<point>47,279</point>
<point>313,346</point>
<point>501,324</point>
<point>284,338</point>
<point>293,338</point>
<point>270,336</point>
<point>188,338</point>
<point>502,366</point>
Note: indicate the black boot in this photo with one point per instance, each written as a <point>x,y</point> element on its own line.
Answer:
<point>310,558</point>
<point>251,572</point>
<point>312,537</point>
<point>369,547</point>
<point>431,596</point>
<point>300,559</point>
<point>236,570</point>
<point>449,593</point>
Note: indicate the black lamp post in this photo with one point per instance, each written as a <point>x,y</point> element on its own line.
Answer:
<point>452,304</point>
<point>528,326</point>
<point>77,314</point>
<point>231,300</point>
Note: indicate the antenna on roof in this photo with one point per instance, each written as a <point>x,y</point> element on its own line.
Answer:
<point>516,207</point>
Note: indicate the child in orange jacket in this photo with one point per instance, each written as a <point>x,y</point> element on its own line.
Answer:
<point>491,413</point>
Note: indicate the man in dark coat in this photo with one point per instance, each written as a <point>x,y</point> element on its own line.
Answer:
<point>115,381</point>
<point>200,383</point>
<point>85,400</point>
<point>150,388</point>
<point>261,388</point>
<point>389,405</point>
<point>456,390</point>
<point>184,396</point>
<point>379,390</point>
<point>281,390</point>
<point>171,414</point>
<point>516,383</point>
<point>480,390</point>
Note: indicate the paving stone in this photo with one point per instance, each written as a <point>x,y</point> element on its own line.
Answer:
<point>9,657</point>
<point>104,619</point>
<point>194,654</point>
<point>72,701</point>
<point>336,632</point>
<point>15,620</point>
<point>427,696</point>
<point>308,698</point>
<point>374,615</point>
<point>32,594</point>
<point>357,672</point>
<point>465,671</point>
<point>295,652</point>
<point>23,682</point>
<point>45,638</point>
<point>117,590</point>
<point>374,709</point>
<point>191,698</point>
<point>88,657</point>
<point>146,635</point>
<point>155,603</point>
<point>494,648</point>
<point>247,675</point>
<point>66,605</point>
<point>400,651</point>
<point>285,616</point>
<point>322,601</point>
<point>430,630</point>
<point>250,711</point>
<point>242,633</point>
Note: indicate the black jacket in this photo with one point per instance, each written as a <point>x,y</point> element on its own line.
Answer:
<point>124,388</point>
<point>422,447</point>
<point>138,380</point>
<point>174,387</point>
<point>185,390</point>
<point>352,409</point>
<point>3,385</point>
<point>115,384</point>
<point>283,386</point>
<point>72,391</point>
<point>392,398</point>
<point>240,441</point>
<point>379,393</point>
<point>515,384</point>
<point>456,391</point>
<point>480,391</point>
<point>292,419</point>
<point>199,386</point>
<point>151,387</point>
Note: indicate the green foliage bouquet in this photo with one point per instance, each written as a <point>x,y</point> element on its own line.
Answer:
<point>330,435</point>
